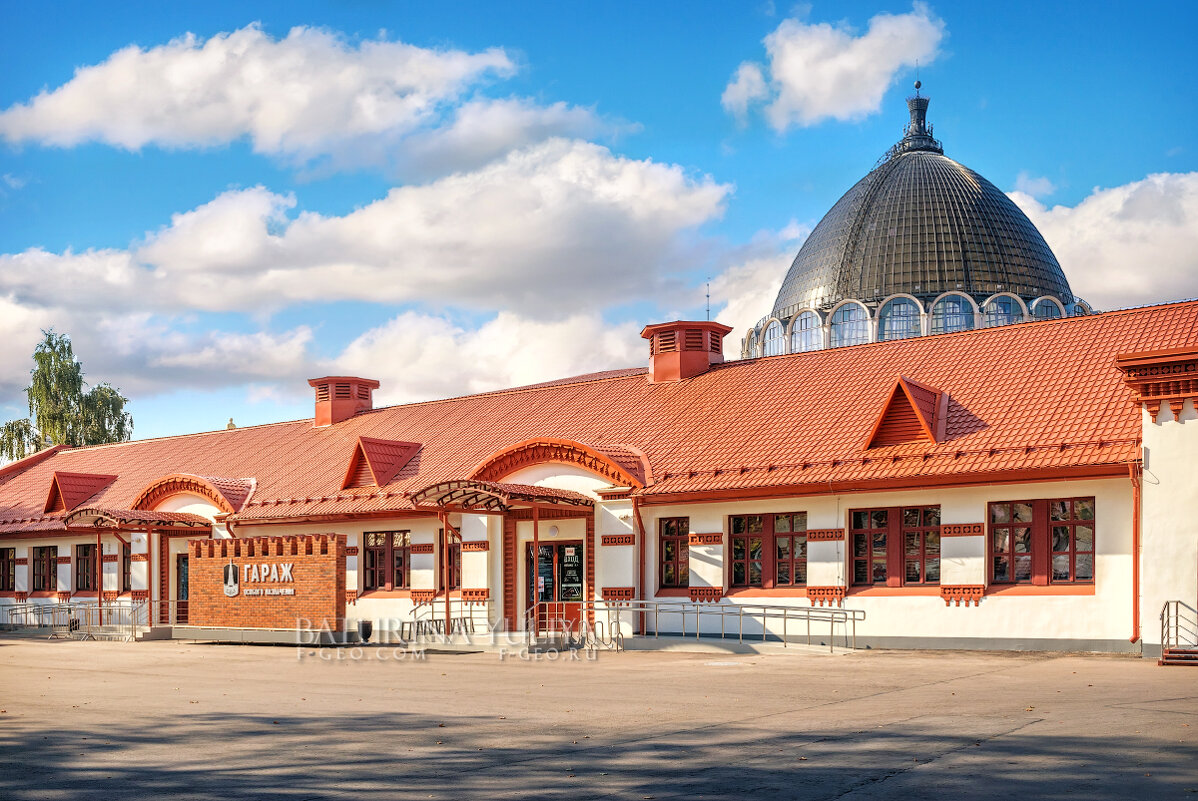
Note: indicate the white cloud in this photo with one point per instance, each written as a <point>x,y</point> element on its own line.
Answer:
<point>748,86</point>
<point>820,71</point>
<point>561,226</point>
<point>418,356</point>
<point>312,95</point>
<point>549,228</point>
<point>1126,245</point>
<point>1028,184</point>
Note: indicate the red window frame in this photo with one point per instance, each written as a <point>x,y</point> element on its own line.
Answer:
<point>1041,542</point>
<point>747,550</point>
<point>126,568</point>
<point>454,579</point>
<point>673,552</point>
<point>386,561</point>
<point>85,567</point>
<point>8,569</point>
<point>790,549</point>
<point>756,558</point>
<point>895,546</point>
<point>44,569</point>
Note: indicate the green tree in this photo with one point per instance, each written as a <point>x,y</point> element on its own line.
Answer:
<point>61,410</point>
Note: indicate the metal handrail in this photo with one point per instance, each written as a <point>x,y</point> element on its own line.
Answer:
<point>76,620</point>
<point>548,617</point>
<point>1179,625</point>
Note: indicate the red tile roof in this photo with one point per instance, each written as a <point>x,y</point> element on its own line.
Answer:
<point>68,490</point>
<point>1034,396</point>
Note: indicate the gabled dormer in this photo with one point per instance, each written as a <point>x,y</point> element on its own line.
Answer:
<point>914,412</point>
<point>375,462</point>
<point>69,490</point>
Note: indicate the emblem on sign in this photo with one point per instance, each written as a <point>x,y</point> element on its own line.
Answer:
<point>231,582</point>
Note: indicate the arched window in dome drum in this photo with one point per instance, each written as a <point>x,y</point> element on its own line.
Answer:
<point>1080,309</point>
<point>751,346</point>
<point>775,339</point>
<point>806,333</point>
<point>898,319</point>
<point>952,313</point>
<point>1002,311</point>
<point>1046,309</point>
<point>850,326</point>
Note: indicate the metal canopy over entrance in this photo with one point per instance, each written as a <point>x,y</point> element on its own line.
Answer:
<point>94,517</point>
<point>495,497</point>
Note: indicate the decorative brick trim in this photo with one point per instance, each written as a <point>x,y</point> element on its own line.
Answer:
<point>423,596</point>
<point>111,595</point>
<point>23,560</point>
<point>476,596</point>
<point>1159,377</point>
<point>140,595</point>
<point>63,560</point>
<point>351,597</point>
<point>1153,407</point>
<point>21,597</point>
<point>64,596</point>
<point>970,593</point>
<point>706,595</point>
<point>475,546</point>
<point>963,530</point>
<point>825,535</point>
<point>108,557</point>
<point>618,539</point>
<point>832,596</point>
<point>139,557</point>
<point>706,539</point>
<point>421,547</point>
<point>525,454</point>
<point>1175,406</point>
<point>351,550</point>
<point>618,593</point>
<point>614,495</point>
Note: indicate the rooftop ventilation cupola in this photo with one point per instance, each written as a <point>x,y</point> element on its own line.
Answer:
<point>682,349</point>
<point>341,397</point>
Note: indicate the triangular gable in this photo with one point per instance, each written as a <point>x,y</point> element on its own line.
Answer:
<point>912,414</point>
<point>376,461</point>
<point>68,490</point>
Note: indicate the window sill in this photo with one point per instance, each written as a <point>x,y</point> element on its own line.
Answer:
<point>84,594</point>
<point>385,594</point>
<point>1046,589</point>
<point>880,592</point>
<point>43,594</point>
<point>764,592</point>
<point>673,592</point>
<point>8,593</point>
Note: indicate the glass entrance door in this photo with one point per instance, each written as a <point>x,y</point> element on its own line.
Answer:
<point>181,581</point>
<point>557,582</point>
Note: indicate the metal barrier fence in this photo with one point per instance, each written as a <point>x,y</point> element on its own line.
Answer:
<point>602,624</point>
<point>83,621</point>
<point>1179,625</point>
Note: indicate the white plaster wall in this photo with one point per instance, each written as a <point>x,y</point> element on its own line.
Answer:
<point>706,565</point>
<point>21,579</point>
<point>615,565</point>
<point>963,560</point>
<point>826,563</point>
<point>1169,502</point>
<point>559,476</point>
<point>1105,615</point>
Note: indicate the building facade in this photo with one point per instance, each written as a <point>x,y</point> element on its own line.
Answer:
<point>929,428</point>
<point>1027,486</point>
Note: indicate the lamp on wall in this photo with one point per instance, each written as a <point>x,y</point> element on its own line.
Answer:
<point>553,531</point>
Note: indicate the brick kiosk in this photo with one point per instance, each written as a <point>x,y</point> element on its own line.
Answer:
<point>268,583</point>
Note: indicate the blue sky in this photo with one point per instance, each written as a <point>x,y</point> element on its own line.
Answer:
<point>211,235</point>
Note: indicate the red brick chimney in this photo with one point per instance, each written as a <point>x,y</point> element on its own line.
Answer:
<point>340,397</point>
<point>682,349</point>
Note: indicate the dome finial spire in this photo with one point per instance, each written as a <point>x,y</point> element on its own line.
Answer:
<point>918,135</point>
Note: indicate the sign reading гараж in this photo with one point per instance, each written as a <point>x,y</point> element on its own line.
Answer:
<point>267,582</point>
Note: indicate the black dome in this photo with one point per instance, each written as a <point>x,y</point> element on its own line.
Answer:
<point>922,224</point>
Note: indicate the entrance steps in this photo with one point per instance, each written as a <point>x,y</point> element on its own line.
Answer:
<point>1179,656</point>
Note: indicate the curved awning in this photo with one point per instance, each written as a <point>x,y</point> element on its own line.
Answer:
<point>94,517</point>
<point>494,496</point>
